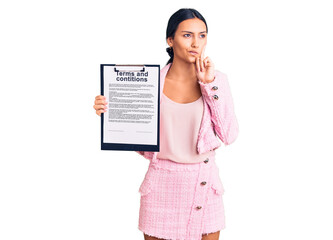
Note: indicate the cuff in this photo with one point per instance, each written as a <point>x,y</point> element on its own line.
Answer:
<point>209,89</point>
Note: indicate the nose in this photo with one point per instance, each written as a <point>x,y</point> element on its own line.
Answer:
<point>195,42</point>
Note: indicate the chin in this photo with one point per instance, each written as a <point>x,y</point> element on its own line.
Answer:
<point>188,59</point>
<point>191,60</point>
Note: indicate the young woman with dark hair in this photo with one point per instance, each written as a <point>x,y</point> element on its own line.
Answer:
<point>181,194</point>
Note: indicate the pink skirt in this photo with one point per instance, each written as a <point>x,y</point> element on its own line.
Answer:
<point>181,201</point>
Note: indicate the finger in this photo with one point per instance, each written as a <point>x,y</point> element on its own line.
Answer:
<point>97,102</point>
<point>203,52</point>
<point>100,107</point>
<point>206,62</point>
<point>100,111</point>
<point>197,64</point>
<point>100,97</point>
<point>209,62</point>
<point>201,65</point>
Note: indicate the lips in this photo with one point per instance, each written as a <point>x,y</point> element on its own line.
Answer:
<point>193,52</point>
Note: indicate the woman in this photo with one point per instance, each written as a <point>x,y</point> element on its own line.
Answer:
<point>181,194</point>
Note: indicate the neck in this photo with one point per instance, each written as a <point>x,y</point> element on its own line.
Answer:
<point>182,71</point>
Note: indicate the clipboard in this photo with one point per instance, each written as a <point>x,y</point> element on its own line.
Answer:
<point>132,119</point>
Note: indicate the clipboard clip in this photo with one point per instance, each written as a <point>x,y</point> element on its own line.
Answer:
<point>118,68</point>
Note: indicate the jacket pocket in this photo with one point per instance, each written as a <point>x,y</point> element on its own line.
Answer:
<point>217,185</point>
<point>147,185</point>
<point>218,189</point>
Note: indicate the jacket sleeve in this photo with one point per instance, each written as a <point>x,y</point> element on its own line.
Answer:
<point>143,154</point>
<point>140,152</point>
<point>218,96</point>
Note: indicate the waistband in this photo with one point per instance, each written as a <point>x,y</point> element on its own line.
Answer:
<point>176,166</point>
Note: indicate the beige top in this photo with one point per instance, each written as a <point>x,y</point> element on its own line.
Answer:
<point>179,129</point>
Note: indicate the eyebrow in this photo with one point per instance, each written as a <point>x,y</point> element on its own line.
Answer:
<point>192,32</point>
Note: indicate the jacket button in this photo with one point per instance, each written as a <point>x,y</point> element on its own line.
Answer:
<point>215,88</point>
<point>203,183</point>
<point>199,207</point>
<point>206,161</point>
<point>216,97</point>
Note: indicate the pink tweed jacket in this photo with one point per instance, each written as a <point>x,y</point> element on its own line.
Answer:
<point>218,117</point>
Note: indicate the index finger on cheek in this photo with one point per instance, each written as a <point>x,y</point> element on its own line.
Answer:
<point>203,52</point>
<point>197,64</point>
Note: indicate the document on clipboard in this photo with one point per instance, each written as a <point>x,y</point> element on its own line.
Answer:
<point>132,119</point>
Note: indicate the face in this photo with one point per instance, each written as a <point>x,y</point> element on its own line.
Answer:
<point>189,40</point>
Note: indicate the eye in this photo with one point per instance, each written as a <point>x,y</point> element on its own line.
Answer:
<point>203,35</point>
<point>187,35</point>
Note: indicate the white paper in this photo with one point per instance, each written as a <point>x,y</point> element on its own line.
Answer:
<point>132,97</point>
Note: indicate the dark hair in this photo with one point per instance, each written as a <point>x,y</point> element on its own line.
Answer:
<point>176,18</point>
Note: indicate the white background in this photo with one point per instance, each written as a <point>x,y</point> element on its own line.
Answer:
<point>56,183</point>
